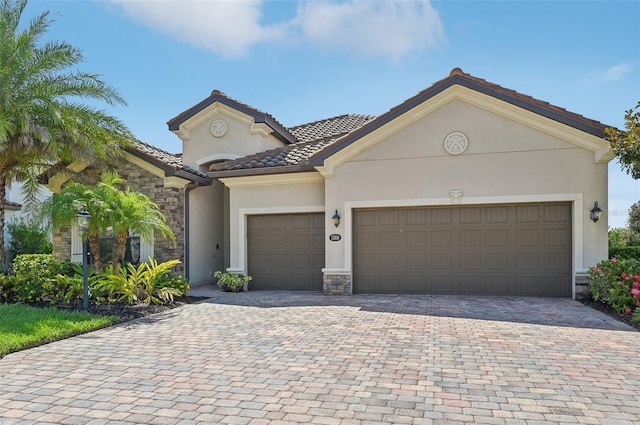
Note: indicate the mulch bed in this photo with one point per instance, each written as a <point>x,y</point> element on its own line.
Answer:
<point>128,312</point>
<point>606,309</point>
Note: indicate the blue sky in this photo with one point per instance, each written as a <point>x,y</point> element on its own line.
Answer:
<point>305,61</point>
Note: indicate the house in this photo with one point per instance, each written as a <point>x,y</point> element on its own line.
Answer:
<point>466,188</point>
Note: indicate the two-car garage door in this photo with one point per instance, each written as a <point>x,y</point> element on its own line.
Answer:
<point>520,249</point>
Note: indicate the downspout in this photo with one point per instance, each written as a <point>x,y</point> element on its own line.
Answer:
<point>187,190</point>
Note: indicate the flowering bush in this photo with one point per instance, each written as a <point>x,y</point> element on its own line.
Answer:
<point>617,283</point>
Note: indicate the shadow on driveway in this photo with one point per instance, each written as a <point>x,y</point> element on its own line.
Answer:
<point>533,310</point>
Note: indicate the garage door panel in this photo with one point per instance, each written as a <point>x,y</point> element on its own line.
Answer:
<point>496,261</point>
<point>496,238</point>
<point>556,261</point>
<point>528,261</point>
<point>556,237</point>
<point>441,238</point>
<point>286,251</point>
<point>505,249</point>
<point>527,238</point>
<point>471,261</point>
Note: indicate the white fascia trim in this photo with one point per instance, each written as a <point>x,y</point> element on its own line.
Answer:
<point>272,180</point>
<point>217,108</point>
<point>577,200</point>
<point>598,146</point>
<point>216,157</point>
<point>176,182</point>
<point>242,265</point>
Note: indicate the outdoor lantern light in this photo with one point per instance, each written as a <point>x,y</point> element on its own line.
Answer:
<point>336,219</point>
<point>595,212</point>
<point>83,225</point>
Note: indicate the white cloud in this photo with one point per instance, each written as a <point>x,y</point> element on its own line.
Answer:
<point>612,73</point>
<point>390,28</point>
<point>375,28</point>
<point>229,28</point>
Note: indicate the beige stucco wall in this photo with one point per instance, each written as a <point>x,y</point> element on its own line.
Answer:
<point>206,237</point>
<point>202,147</point>
<point>505,162</point>
<point>263,195</point>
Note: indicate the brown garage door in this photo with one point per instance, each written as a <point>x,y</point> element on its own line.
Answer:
<point>286,251</point>
<point>520,249</point>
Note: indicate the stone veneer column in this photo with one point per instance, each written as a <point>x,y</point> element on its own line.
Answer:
<point>337,284</point>
<point>582,285</point>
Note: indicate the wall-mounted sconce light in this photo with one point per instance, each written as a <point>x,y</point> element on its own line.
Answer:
<point>595,212</point>
<point>336,219</point>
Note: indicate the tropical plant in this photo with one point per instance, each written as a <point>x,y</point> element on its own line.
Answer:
<point>112,210</point>
<point>626,144</point>
<point>231,281</point>
<point>148,283</point>
<point>44,122</point>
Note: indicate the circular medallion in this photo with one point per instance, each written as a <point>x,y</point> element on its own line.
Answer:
<point>218,128</point>
<point>455,143</point>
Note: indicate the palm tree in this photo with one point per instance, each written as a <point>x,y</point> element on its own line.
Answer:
<point>43,123</point>
<point>138,214</point>
<point>112,211</point>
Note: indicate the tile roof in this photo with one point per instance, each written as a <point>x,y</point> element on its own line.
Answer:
<point>458,77</point>
<point>312,137</point>
<point>279,130</point>
<point>330,128</point>
<point>167,161</point>
<point>321,139</point>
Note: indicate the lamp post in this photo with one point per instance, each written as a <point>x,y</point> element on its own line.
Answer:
<point>83,225</point>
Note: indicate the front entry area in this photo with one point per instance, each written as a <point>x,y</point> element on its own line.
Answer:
<point>286,251</point>
<point>516,249</point>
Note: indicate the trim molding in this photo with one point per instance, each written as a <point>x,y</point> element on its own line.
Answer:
<point>577,225</point>
<point>272,179</point>
<point>243,213</point>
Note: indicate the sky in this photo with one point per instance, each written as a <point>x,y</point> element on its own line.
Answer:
<point>303,61</point>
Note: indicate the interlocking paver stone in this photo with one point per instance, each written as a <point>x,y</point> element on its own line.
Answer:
<point>277,357</point>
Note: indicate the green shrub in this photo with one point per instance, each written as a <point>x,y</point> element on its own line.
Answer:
<point>617,283</point>
<point>7,288</point>
<point>148,283</point>
<point>69,288</point>
<point>231,281</point>
<point>33,272</point>
<point>625,252</point>
<point>27,237</point>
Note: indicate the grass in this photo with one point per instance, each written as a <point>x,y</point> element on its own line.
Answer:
<point>22,326</point>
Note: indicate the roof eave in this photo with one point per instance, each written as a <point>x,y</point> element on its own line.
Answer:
<point>596,130</point>
<point>285,169</point>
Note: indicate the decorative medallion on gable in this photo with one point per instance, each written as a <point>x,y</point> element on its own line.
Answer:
<point>218,128</point>
<point>456,143</point>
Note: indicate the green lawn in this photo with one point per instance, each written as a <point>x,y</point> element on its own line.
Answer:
<point>23,326</point>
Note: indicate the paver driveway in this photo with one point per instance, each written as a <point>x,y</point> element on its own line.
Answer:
<point>293,358</point>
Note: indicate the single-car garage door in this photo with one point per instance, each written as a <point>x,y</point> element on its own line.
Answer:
<point>522,249</point>
<point>286,251</point>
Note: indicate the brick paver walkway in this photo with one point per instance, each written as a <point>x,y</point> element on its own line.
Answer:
<point>304,358</point>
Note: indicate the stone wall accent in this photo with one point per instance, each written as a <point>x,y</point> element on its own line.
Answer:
<point>582,285</point>
<point>62,244</point>
<point>171,203</point>
<point>337,284</point>
<point>169,199</point>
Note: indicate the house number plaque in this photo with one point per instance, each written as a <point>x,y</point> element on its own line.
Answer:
<point>335,237</point>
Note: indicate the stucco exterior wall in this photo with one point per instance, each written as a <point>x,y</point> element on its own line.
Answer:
<point>297,193</point>
<point>202,147</point>
<point>505,162</point>
<point>206,233</point>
